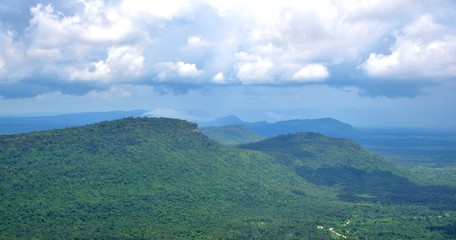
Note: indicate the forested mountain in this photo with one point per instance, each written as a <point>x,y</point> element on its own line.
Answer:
<point>361,175</point>
<point>157,178</point>
<point>231,134</point>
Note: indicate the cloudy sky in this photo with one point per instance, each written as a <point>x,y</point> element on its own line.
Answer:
<point>370,62</point>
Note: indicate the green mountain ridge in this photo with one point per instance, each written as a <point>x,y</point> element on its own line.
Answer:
<point>316,150</point>
<point>158,178</point>
<point>341,162</point>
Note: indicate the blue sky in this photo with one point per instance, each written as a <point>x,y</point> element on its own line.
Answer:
<point>369,63</point>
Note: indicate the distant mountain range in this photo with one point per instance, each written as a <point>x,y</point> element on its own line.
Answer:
<point>159,178</point>
<point>326,126</point>
<point>11,125</point>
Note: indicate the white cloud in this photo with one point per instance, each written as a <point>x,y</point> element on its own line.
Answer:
<point>237,42</point>
<point>253,69</point>
<point>43,54</point>
<point>223,7</point>
<point>128,60</point>
<point>219,78</point>
<point>95,25</point>
<point>11,58</point>
<point>159,9</point>
<point>195,42</point>
<point>311,73</point>
<point>95,71</point>
<point>311,31</point>
<point>70,48</point>
<point>170,70</point>
<point>123,63</point>
<point>282,35</point>
<point>423,49</point>
<point>378,10</point>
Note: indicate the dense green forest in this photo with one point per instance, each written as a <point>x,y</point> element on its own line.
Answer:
<point>429,154</point>
<point>144,178</point>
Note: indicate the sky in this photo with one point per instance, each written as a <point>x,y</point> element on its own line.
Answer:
<point>371,63</point>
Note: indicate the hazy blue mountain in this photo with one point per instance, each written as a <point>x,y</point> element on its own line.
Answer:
<point>326,126</point>
<point>223,121</point>
<point>231,134</point>
<point>11,125</point>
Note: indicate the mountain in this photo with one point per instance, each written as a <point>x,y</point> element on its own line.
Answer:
<point>158,178</point>
<point>362,175</point>
<point>223,121</point>
<point>231,134</point>
<point>326,126</point>
<point>12,125</point>
<point>317,150</point>
<point>144,178</point>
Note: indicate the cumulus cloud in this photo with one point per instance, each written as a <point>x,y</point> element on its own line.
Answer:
<point>423,49</point>
<point>195,42</point>
<point>9,56</point>
<point>219,78</point>
<point>122,62</point>
<point>96,24</point>
<point>98,44</point>
<point>172,70</point>
<point>311,73</point>
<point>161,10</point>
<point>253,69</point>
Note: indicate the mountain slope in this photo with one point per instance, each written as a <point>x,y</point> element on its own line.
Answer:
<point>317,150</point>
<point>361,175</point>
<point>231,134</point>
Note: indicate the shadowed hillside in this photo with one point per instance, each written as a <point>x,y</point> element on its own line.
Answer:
<point>361,175</point>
